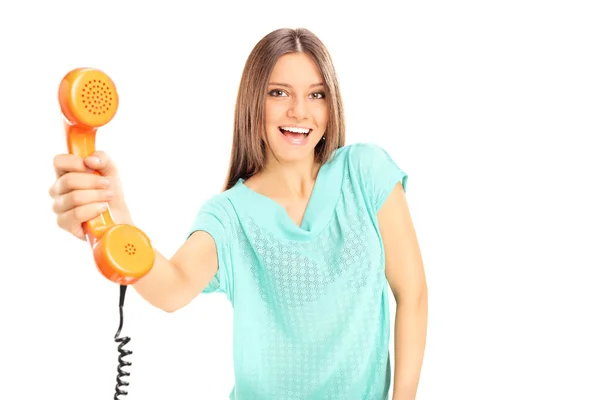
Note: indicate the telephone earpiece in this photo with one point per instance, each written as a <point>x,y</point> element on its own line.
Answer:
<point>88,100</point>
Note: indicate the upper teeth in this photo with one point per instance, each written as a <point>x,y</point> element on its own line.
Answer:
<point>296,130</point>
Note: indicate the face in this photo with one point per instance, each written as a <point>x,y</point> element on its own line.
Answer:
<point>296,112</point>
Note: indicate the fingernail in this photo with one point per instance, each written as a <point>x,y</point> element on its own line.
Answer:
<point>110,195</point>
<point>96,159</point>
<point>104,182</point>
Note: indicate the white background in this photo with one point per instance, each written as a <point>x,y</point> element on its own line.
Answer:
<point>491,108</point>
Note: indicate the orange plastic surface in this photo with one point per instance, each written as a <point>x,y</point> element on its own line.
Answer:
<point>88,100</point>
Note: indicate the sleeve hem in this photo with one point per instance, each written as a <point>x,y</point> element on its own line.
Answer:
<point>399,176</point>
<point>219,283</point>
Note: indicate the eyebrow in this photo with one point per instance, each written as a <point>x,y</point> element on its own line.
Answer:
<point>289,86</point>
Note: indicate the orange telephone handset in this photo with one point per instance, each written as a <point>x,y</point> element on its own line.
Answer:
<point>88,100</point>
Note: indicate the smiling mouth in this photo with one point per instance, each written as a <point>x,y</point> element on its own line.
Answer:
<point>295,133</point>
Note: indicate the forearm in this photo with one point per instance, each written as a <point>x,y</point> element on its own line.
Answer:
<point>160,284</point>
<point>164,279</point>
<point>409,346</point>
<point>166,286</point>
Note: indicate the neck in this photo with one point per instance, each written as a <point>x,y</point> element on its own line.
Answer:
<point>294,180</point>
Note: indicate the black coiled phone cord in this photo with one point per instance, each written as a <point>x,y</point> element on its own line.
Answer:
<point>122,353</point>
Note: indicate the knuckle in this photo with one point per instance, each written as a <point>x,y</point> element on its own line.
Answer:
<point>79,214</point>
<point>76,198</point>
<point>61,222</point>
<point>63,162</point>
<point>57,160</point>
<point>71,181</point>
<point>65,182</point>
<point>56,208</point>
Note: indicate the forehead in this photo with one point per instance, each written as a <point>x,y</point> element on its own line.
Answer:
<point>296,69</point>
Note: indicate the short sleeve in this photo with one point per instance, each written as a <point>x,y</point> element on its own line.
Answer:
<point>378,173</point>
<point>214,218</point>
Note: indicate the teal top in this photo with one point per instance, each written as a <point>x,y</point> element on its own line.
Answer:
<point>311,317</point>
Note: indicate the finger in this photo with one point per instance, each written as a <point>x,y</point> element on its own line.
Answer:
<point>79,198</point>
<point>101,162</point>
<point>78,181</point>
<point>72,219</point>
<point>64,163</point>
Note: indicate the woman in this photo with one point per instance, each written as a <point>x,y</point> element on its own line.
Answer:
<point>303,239</point>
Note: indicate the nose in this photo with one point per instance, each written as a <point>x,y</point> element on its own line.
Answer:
<point>298,109</point>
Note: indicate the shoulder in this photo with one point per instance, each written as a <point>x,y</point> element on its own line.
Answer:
<point>375,171</point>
<point>365,152</point>
<point>217,214</point>
<point>218,204</point>
<point>364,157</point>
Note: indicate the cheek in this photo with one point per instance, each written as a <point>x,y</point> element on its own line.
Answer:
<point>322,117</point>
<point>269,117</point>
<point>273,114</point>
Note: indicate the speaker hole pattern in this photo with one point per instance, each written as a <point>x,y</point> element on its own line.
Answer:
<point>130,249</point>
<point>97,96</point>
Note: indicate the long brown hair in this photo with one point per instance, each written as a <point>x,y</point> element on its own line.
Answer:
<point>248,152</point>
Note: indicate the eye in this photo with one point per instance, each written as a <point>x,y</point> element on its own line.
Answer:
<point>277,93</point>
<point>318,95</point>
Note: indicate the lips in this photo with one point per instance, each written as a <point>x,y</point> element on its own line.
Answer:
<point>293,131</point>
<point>295,135</point>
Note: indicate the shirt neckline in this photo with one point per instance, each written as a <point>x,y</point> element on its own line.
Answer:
<point>271,215</point>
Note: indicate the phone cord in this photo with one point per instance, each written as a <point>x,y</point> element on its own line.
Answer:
<point>122,353</point>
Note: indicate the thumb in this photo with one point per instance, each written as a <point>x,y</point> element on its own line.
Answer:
<point>101,162</point>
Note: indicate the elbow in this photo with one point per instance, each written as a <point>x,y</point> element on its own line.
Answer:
<point>170,307</point>
<point>165,305</point>
<point>174,303</point>
<point>414,296</point>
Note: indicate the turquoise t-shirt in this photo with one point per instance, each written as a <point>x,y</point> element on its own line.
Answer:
<point>311,317</point>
